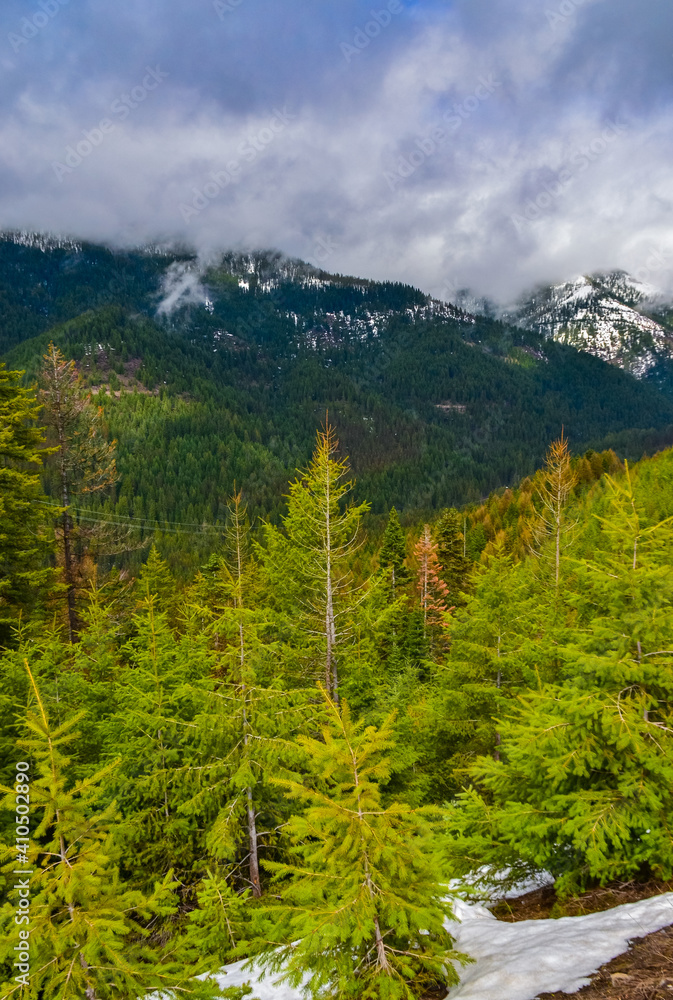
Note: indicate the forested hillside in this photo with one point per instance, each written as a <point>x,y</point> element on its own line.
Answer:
<point>434,407</point>
<point>291,753</point>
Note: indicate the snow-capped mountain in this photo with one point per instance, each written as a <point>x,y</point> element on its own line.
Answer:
<point>613,316</point>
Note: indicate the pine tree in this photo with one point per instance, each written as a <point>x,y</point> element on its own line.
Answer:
<point>449,534</point>
<point>363,906</point>
<point>313,566</point>
<point>85,461</point>
<point>88,935</point>
<point>392,556</point>
<point>23,547</point>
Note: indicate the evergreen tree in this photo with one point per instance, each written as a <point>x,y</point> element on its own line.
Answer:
<point>362,907</point>
<point>85,461</point>
<point>88,931</point>
<point>491,640</point>
<point>449,534</point>
<point>153,728</point>
<point>243,715</point>
<point>23,547</point>
<point>584,786</point>
<point>392,556</point>
<point>313,567</point>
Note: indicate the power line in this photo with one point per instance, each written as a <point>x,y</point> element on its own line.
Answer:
<point>138,522</point>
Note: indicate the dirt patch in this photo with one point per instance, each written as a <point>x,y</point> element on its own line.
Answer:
<point>544,903</point>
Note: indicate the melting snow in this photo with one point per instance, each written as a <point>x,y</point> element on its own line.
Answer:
<point>520,960</point>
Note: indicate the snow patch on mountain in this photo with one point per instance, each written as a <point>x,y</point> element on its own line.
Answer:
<point>41,241</point>
<point>605,315</point>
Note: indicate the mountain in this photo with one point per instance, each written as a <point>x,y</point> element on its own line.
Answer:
<point>613,316</point>
<point>215,372</point>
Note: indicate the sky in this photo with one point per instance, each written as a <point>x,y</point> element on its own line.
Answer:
<point>483,144</point>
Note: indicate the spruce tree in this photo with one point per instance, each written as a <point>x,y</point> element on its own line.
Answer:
<point>584,787</point>
<point>392,557</point>
<point>449,535</point>
<point>311,569</point>
<point>88,930</point>
<point>363,906</point>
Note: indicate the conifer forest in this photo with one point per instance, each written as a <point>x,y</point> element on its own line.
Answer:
<point>270,709</point>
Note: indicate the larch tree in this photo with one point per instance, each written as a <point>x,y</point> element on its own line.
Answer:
<point>432,590</point>
<point>553,491</point>
<point>85,460</point>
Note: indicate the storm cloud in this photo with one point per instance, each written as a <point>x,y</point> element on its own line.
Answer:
<point>482,144</point>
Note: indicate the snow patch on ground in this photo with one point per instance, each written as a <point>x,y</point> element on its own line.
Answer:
<point>520,960</point>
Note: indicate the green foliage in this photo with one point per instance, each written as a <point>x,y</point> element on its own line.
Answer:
<point>362,911</point>
<point>584,784</point>
<point>393,554</point>
<point>449,531</point>
<point>210,398</point>
<point>23,546</point>
<point>312,567</point>
<point>88,930</point>
<point>153,729</point>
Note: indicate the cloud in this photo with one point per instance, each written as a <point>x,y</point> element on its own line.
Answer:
<point>182,286</point>
<point>526,142</point>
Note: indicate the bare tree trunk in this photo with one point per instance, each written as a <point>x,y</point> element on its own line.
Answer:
<point>331,673</point>
<point>558,545</point>
<point>253,846</point>
<point>498,684</point>
<point>254,852</point>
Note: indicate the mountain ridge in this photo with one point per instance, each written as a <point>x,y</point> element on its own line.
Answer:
<point>434,406</point>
